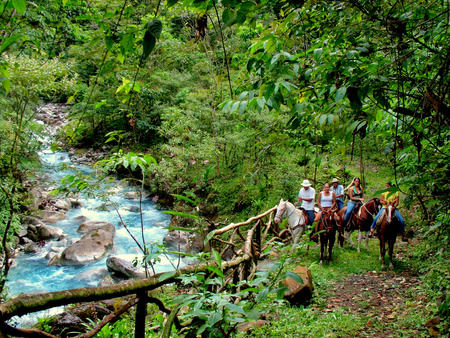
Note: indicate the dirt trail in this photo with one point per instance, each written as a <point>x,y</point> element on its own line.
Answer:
<point>380,296</point>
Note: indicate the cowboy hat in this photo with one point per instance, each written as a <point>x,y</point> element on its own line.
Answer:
<point>306,183</point>
<point>335,180</point>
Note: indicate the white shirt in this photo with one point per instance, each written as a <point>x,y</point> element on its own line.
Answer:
<point>326,201</point>
<point>310,193</point>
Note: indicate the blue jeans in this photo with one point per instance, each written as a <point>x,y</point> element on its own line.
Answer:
<point>310,216</point>
<point>339,204</point>
<point>350,207</point>
<point>397,213</point>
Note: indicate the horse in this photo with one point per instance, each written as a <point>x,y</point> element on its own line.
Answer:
<point>296,219</point>
<point>387,232</point>
<point>361,219</point>
<point>327,233</point>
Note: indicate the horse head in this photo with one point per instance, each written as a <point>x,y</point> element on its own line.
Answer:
<point>389,213</point>
<point>280,211</point>
<point>327,220</point>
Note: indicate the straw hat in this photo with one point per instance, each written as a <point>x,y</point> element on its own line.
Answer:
<point>335,180</point>
<point>306,183</point>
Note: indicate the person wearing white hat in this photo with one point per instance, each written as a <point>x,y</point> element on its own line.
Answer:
<point>306,197</point>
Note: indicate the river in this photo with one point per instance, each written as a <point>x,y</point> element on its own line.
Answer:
<point>33,274</point>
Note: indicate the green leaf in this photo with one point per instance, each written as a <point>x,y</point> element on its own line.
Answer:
<point>148,44</point>
<point>340,93</point>
<point>294,276</point>
<point>127,42</point>
<point>20,6</point>
<point>243,107</point>
<point>262,295</point>
<point>7,85</point>
<point>209,236</point>
<point>150,159</point>
<point>171,3</point>
<point>217,257</point>
<point>8,41</point>
<point>167,275</point>
<point>99,104</point>
<point>184,198</point>
<point>317,54</point>
<point>182,214</point>
<point>227,15</point>
<point>215,270</point>
<point>235,308</point>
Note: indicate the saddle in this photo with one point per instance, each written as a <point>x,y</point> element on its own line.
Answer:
<point>354,213</point>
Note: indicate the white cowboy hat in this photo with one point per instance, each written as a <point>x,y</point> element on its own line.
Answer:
<point>335,180</point>
<point>306,183</point>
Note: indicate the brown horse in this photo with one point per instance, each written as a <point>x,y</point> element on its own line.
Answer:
<point>327,233</point>
<point>388,230</point>
<point>361,219</point>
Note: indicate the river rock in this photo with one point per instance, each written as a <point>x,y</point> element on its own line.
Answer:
<point>184,241</point>
<point>91,247</point>
<point>108,281</point>
<point>132,208</point>
<point>51,216</point>
<point>63,204</point>
<point>66,322</point>
<point>80,219</point>
<point>53,252</point>
<point>43,232</point>
<point>75,203</point>
<point>121,267</point>
<point>96,225</point>
<point>130,195</point>
<point>91,275</point>
<point>299,293</point>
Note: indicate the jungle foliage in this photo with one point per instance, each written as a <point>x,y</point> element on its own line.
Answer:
<point>238,101</point>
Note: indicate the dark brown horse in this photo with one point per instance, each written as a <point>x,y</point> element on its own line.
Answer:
<point>327,233</point>
<point>361,219</point>
<point>387,232</point>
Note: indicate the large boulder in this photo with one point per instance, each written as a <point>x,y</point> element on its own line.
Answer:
<point>122,268</point>
<point>91,247</point>
<point>184,241</point>
<point>299,293</point>
<point>96,225</point>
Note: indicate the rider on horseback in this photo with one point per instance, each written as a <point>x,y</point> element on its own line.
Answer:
<point>306,196</point>
<point>356,196</point>
<point>389,198</point>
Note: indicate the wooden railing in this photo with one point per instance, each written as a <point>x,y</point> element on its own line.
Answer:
<point>243,266</point>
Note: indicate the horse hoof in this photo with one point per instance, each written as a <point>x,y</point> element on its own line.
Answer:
<point>321,263</point>
<point>391,266</point>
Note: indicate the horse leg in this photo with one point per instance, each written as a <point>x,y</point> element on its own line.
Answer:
<point>331,244</point>
<point>359,240</point>
<point>341,238</point>
<point>348,235</point>
<point>322,247</point>
<point>367,240</point>
<point>382,250</point>
<point>391,243</point>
